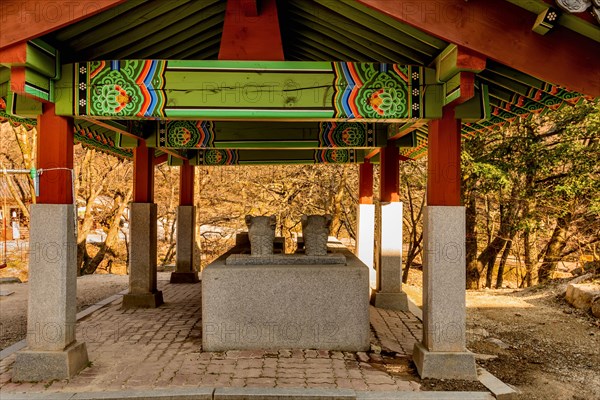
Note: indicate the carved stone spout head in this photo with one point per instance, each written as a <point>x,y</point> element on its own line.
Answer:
<point>261,232</point>
<point>315,231</point>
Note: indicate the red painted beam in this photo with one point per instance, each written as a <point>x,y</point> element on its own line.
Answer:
<point>55,157</point>
<point>14,54</point>
<point>161,159</point>
<point>365,183</point>
<point>502,31</point>
<point>390,174</point>
<point>372,154</point>
<point>443,160</point>
<point>247,37</point>
<point>143,173</point>
<point>467,88</point>
<point>186,184</point>
<point>22,20</point>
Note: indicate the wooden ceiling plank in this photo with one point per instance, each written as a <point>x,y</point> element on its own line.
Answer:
<point>82,27</point>
<point>374,21</point>
<point>334,47</point>
<point>370,43</point>
<point>117,29</point>
<point>399,43</point>
<point>399,26</point>
<point>158,24</point>
<point>186,29</point>
<point>367,49</point>
<point>174,52</point>
<point>184,55</point>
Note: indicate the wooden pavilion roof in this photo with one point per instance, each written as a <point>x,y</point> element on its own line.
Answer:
<point>531,57</point>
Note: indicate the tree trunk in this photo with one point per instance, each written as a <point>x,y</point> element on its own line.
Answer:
<point>111,237</point>
<point>473,273</point>
<point>505,254</point>
<point>554,248</point>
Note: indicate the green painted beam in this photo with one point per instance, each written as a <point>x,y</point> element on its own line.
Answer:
<point>225,157</point>
<point>22,106</point>
<point>226,90</point>
<point>186,134</point>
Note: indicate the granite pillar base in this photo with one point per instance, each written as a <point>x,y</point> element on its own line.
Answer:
<point>444,365</point>
<point>391,301</point>
<point>38,365</point>
<point>144,300</point>
<point>184,277</point>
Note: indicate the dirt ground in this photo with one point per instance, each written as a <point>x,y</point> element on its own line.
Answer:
<point>529,338</point>
<point>536,342</point>
<point>13,309</point>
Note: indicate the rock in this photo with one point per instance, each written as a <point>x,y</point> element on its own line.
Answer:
<point>478,332</point>
<point>10,280</point>
<point>596,307</point>
<point>581,295</point>
<point>485,357</point>
<point>498,343</point>
<point>375,349</point>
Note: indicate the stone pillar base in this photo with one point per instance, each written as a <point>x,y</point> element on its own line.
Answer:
<point>38,365</point>
<point>184,277</point>
<point>143,300</point>
<point>444,365</point>
<point>391,301</point>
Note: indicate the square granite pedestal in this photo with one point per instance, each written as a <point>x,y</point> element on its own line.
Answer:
<point>286,306</point>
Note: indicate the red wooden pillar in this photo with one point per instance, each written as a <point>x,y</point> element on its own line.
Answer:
<point>365,183</point>
<point>143,174</point>
<point>55,157</point>
<point>186,184</point>
<point>389,185</point>
<point>443,150</point>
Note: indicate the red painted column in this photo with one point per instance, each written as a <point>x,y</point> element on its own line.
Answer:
<point>443,151</point>
<point>365,183</point>
<point>55,157</point>
<point>143,174</point>
<point>390,179</point>
<point>186,184</point>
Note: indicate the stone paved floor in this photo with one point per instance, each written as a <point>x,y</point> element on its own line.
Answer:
<point>160,348</point>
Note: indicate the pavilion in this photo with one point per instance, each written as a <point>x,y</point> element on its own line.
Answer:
<point>232,82</point>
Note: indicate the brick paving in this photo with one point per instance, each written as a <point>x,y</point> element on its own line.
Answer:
<point>161,348</point>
